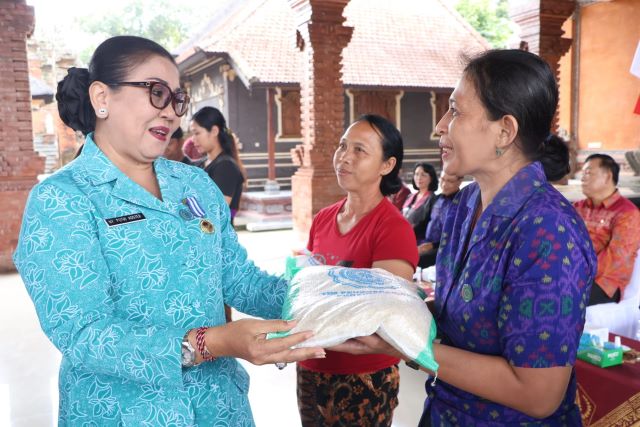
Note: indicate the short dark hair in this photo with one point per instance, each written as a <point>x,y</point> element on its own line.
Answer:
<point>607,162</point>
<point>392,146</point>
<point>111,62</point>
<point>428,168</point>
<point>518,83</point>
<point>178,134</point>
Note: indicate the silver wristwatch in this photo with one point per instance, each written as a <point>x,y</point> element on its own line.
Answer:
<point>188,352</point>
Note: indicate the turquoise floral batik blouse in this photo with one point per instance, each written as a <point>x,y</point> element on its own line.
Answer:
<point>118,276</point>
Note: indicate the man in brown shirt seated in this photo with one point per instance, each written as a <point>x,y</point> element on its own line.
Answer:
<point>614,226</point>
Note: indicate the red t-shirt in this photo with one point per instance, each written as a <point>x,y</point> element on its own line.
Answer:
<point>382,234</point>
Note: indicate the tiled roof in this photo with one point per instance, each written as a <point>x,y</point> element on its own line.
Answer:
<point>39,88</point>
<point>399,43</point>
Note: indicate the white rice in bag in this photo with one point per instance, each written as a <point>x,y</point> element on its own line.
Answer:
<point>340,303</point>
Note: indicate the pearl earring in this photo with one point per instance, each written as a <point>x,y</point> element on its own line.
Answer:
<point>102,112</point>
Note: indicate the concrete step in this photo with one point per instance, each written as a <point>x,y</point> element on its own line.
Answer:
<point>270,225</point>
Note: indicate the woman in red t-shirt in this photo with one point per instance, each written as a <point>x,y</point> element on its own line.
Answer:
<point>363,230</point>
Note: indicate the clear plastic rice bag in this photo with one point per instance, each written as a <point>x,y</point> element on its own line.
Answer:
<point>340,303</point>
<point>295,263</point>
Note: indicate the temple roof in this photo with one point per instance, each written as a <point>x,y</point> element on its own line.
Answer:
<point>399,44</point>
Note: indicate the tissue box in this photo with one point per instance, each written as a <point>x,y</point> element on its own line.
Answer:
<point>601,333</point>
<point>601,357</point>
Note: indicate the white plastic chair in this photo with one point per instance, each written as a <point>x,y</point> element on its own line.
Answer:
<point>621,318</point>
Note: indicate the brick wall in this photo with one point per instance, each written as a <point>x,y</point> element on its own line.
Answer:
<point>19,165</point>
<point>321,37</point>
<point>541,27</point>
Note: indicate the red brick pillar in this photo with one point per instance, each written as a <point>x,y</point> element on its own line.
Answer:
<point>19,164</point>
<point>541,24</point>
<point>321,36</point>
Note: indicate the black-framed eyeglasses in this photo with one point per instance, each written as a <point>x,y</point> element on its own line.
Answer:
<point>160,95</point>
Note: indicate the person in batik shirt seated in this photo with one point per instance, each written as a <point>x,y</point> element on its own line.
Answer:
<point>614,227</point>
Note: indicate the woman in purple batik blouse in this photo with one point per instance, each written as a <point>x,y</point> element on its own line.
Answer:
<point>515,262</point>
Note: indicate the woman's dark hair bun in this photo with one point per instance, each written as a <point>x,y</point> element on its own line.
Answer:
<point>73,100</point>
<point>555,158</point>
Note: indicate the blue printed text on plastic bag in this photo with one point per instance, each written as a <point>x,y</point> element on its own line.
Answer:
<point>340,303</point>
<point>359,278</point>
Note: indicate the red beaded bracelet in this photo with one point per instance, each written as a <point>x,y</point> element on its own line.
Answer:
<point>202,347</point>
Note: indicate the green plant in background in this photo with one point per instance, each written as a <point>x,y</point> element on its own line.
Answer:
<point>490,18</point>
<point>158,20</point>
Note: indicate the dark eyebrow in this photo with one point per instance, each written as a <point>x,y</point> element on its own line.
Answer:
<point>359,144</point>
<point>156,79</point>
<point>356,143</point>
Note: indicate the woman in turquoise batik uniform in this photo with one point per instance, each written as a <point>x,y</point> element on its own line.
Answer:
<point>129,257</point>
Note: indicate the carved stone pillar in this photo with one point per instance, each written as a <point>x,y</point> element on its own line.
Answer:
<point>541,24</point>
<point>19,164</point>
<point>321,36</point>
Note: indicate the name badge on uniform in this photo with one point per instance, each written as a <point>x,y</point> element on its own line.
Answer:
<point>196,210</point>
<point>125,219</point>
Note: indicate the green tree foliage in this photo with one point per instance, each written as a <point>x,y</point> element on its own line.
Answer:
<point>167,22</point>
<point>490,18</point>
<point>153,19</point>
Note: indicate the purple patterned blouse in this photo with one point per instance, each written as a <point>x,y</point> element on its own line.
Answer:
<point>519,291</point>
<point>438,212</point>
